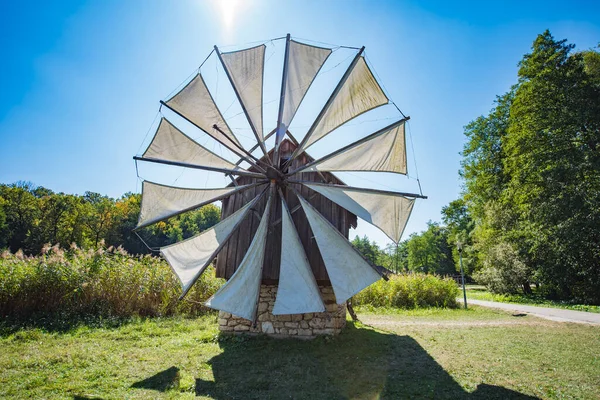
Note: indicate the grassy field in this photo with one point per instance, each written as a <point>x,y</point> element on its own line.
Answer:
<point>432,353</point>
<point>478,292</point>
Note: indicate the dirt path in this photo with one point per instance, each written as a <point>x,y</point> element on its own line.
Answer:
<point>389,322</point>
<point>553,314</point>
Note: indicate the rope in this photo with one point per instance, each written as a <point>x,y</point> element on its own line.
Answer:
<point>387,93</point>
<point>412,148</point>
<point>328,44</point>
<point>154,250</point>
<point>148,131</point>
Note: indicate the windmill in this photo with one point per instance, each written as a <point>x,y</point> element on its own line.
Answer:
<point>272,227</point>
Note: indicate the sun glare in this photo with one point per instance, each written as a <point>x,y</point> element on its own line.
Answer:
<point>229,10</point>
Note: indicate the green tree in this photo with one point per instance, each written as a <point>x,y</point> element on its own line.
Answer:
<point>552,156</point>
<point>429,251</point>
<point>22,211</point>
<point>370,250</point>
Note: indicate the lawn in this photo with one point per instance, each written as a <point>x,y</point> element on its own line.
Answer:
<point>453,354</point>
<point>477,292</point>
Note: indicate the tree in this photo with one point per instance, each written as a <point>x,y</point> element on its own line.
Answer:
<point>553,159</point>
<point>369,250</point>
<point>22,210</point>
<point>429,251</point>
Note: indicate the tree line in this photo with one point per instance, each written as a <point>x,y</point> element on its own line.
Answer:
<point>530,207</point>
<point>32,216</point>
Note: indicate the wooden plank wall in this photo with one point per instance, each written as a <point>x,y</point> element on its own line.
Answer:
<point>233,252</point>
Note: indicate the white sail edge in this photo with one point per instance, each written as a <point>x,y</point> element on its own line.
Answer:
<point>195,103</point>
<point>171,144</point>
<point>305,62</point>
<point>298,292</point>
<point>385,152</point>
<point>348,271</point>
<point>160,202</point>
<point>246,70</point>
<point>239,294</point>
<point>359,93</point>
<point>387,212</point>
<point>190,257</point>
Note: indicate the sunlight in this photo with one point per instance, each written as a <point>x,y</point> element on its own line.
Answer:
<point>229,10</point>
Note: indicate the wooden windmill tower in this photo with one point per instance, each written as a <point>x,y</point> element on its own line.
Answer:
<point>282,243</point>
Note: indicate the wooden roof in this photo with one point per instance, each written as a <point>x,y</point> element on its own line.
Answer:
<point>233,252</point>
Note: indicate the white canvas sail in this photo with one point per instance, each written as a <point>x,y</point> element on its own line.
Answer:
<point>348,271</point>
<point>170,144</point>
<point>246,69</point>
<point>304,64</point>
<point>387,211</point>
<point>359,94</point>
<point>297,292</point>
<point>196,103</point>
<point>240,294</point>
<point>161,201</point>
<point>383,152</point>
<point>190,257</point>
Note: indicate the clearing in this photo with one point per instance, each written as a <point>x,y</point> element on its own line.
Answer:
<point>455,354</point>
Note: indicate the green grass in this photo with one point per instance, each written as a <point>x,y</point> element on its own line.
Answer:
<point>477,292</point>
<point>420,354</point>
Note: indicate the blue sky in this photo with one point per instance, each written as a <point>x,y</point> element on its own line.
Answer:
<point>81,81</point>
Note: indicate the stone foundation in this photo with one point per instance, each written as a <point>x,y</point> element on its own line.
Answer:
<point>302,326</point>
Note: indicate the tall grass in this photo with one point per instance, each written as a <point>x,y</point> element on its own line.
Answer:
<point>76,283</point>
<point>410,291</point>
<point>103,282</point>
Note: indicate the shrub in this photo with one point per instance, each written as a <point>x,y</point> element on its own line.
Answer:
<point>503,270</point>
<point>100,283</point>
<point>410,291</point>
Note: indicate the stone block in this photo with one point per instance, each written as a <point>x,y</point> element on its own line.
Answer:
<point>293,331</point>
<point>304,324</point>
<point>267,327</point>
<point>262,306</point>
<point>327,331</point>
<point>317,323</point>
<point>222,321</point>
<point>241,328</point>
<point>305,332</point>
<point>296,317</point>
<point>290,324</point>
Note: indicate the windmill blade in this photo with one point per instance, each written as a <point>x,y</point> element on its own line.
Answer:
<point>169,143</point>
<point>245,70</point>
<point>382,151</point>
<point>305,62</point>
<point>348,271</point>
<point>160,202</point>
<point>388,211</point>
<point>239,294</point>
<point>189,258</point>
<point>357,93</point>
<point>298,291</point>
<point>195,103</point>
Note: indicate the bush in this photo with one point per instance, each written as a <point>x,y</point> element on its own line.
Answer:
<point>410,291</point>
<point>95,283</point>
<point>503,270</point>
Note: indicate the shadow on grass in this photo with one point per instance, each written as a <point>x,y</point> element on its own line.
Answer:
<point>162,381</point>
<point>359,363</point>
